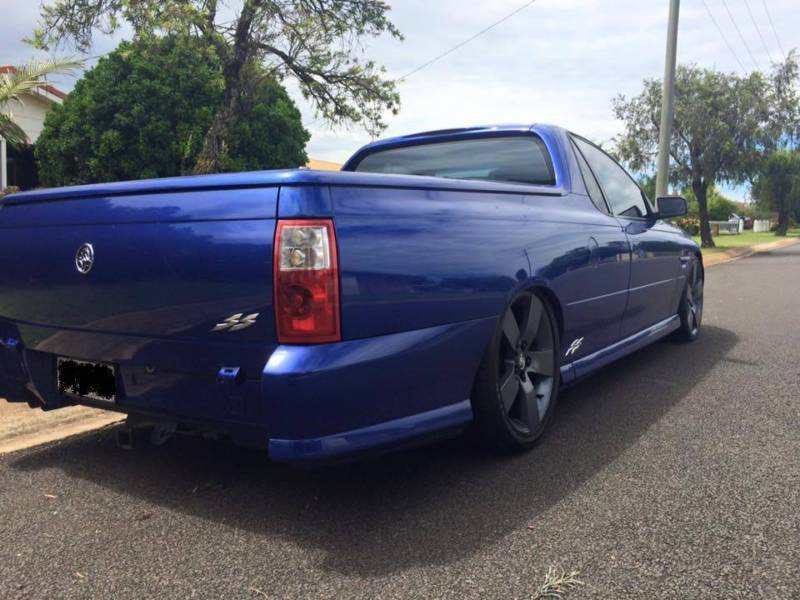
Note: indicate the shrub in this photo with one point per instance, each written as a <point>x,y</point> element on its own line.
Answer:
<point>720,208</point>
<point>690,225</point>
<point>144,109</point>
<point>8,190</point>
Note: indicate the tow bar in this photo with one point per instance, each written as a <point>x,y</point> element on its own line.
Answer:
<point>136,432</point>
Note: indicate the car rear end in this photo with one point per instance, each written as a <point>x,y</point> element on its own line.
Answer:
<point>217,304</point>
<point>314,314</point>
<point>153,299</point>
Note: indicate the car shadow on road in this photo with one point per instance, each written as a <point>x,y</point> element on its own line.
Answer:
<point>430,506</point>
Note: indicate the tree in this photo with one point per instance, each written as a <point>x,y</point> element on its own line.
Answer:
<point>778,186</point>
<point>648,185</point>
<point>20,81</point>
<point>720,207</point>
<point>316,42</point>
<point>723,126</point>
<point>143,110</point>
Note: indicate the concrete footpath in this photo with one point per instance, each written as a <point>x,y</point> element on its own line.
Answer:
<point>722,257</point>
<point>21,427</point>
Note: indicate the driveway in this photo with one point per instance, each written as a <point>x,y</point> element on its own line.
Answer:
<point>674,473</point>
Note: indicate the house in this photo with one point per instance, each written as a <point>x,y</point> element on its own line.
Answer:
<point>323,165</point>
<point>17,166</point>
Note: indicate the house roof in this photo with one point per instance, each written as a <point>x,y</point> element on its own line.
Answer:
<point>49,89</point>
<point>323,165</point>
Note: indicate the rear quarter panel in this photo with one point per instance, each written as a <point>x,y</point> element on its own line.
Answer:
<point>414,259</point>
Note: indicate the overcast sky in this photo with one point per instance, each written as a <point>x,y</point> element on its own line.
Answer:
<point>557,61</point>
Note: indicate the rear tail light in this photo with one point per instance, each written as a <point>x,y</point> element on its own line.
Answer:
<point>306,270</point>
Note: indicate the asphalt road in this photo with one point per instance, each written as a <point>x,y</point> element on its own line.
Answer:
<point>673,474</point>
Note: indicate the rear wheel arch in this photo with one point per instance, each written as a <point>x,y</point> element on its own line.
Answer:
<point>547,295</point>
<point>550,297</point>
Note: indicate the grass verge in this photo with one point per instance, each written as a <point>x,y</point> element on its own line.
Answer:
<point>748,238</point>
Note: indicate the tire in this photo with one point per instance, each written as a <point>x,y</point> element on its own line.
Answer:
<point>690,309</point>
<point>516,387</point>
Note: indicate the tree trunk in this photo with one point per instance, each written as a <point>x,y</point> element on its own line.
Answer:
<point>211,157</point>
<point>783,220</point>
<point>700,189</point>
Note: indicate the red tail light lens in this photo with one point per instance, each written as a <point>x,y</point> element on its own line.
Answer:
<point>306,282</point>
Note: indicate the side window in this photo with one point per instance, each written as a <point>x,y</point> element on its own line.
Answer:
<point>623,195</point>
<point>594,191</point>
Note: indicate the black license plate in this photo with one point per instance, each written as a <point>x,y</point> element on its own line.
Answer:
<point>86,379</point>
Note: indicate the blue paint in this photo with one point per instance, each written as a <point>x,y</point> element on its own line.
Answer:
<point>321,390</point>
<point>427,266</point>
<point>375,436</point>
<point>589,364</point>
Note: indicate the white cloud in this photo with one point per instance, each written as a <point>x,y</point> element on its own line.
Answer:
<point>558,61</point>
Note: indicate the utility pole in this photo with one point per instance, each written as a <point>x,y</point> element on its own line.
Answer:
<point>667,101</point>
<point>3,164</point>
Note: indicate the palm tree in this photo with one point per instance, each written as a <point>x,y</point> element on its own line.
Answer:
<point>23,80</point>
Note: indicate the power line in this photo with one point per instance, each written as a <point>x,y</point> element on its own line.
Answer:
<point>741,37</point>
<point>454,48</point>
<point>465,42</point>
<point>771,24</point>
<point>725,39</point>
<point>758,29</point>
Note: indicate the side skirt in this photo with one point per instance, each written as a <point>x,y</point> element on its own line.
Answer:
<point>588,364</point>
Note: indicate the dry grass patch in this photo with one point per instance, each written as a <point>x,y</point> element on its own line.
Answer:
<point>557,583</point>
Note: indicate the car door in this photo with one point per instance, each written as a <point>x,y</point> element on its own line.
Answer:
<point>594,287</point>
<point>655,250</point>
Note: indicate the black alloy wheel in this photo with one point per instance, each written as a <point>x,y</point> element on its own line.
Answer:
<point>517,383</point>
<point>691,306</point>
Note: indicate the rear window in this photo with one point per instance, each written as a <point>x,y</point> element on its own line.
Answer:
<point>515,159</point>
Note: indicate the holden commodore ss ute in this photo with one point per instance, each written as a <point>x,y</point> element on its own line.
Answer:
<point>443,281</point>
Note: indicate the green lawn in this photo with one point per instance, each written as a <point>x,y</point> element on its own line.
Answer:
<point>748,238</point>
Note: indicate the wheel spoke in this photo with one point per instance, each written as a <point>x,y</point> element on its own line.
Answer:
<point>509,388</point>
<point>542,362</point>
<point>532,320</point>
<point>543,395</point>
<point>510,328</point>
<point>529,405</point>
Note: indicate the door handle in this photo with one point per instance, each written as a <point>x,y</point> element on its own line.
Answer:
<point>685,258</point>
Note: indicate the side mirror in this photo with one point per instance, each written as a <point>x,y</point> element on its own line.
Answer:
<point>670,207</point>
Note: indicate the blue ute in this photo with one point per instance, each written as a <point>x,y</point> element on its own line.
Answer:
<point>440,281</point>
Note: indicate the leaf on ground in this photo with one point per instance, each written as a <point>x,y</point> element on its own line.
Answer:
<point>207,486</point>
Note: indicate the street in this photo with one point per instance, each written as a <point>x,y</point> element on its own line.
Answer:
<point>674,473</point>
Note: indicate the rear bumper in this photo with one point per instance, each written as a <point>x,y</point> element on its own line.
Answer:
<point>305,403</point>
<point>328,400</point>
